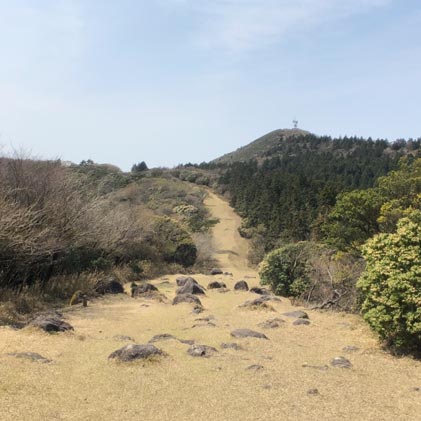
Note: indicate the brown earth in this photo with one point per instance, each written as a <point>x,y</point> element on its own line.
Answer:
<point>82,384</point>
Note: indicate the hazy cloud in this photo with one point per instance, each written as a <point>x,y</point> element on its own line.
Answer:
<point>241,25</point>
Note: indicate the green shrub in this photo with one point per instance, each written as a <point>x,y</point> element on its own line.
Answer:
<point>283,266</point>
<point>391,285</point>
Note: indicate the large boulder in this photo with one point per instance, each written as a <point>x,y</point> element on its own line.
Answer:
<point>241,286</point>
<point>134,352</point>
<point>186,298</point>
<point>260,291</point>
<point>109,286</point>
<point>248,333</point>
<point>51,324</point>
<point>216,285</point>
<point>181,280</point>
<point>191,287</point>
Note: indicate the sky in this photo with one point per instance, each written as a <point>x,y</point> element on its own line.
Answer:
<point>176,81</point>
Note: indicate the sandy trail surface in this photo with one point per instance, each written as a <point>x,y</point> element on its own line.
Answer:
<point>80,383</point>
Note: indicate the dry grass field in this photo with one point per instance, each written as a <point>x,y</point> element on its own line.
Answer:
<point>80,383</point>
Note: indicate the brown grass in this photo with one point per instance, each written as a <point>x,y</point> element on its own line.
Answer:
<point>82,384</point>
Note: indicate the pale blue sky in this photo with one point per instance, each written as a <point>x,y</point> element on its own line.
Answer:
<point>172,81</point>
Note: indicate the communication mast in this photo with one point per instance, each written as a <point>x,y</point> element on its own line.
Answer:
<point>295,122</point>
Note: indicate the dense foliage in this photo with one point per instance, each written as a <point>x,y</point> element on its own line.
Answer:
<point>391,284</point>
<point>291,190</point>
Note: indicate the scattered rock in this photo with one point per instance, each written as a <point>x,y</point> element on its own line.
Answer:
<point>144,305</point>
<point>350,348</point>
<point>272,323</point>
<point>191,287</point>
<point>198,309</point>
<point>32,356</point>
<point>301,322</point>
<point>298,314</point>
<point>51,324</point>
<point>255,367</point>
<point>187,341</point>
<point>216,271</point>
<point>134,352</point>
<point>201,351</point>
<point>313,392</point>
<point>109,286</point>
<point>260,291</point>
<point>186,298</point>
<point>267,386</point>
<point>247,333</point>
<point>161,337</point>
<point>415,389</point>
<point>241,286</point>
<point>216,284</point>
<point>206,324</point>
<point>258,304</point>
<point>227,273</point>
<point>123,338</point>
<point>249,277</point>
<point>316,367</point>
<point>181,280</point>
<point>205,319</point>
<point>144,288</point>
<point>341,362</point>
<point>223,290</point>
<point>231,345</point>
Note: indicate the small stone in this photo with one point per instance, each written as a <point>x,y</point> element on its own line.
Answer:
<point>313,392</point>
<point>162,337</point>
<point>301,322</point>
<point>197,309</point>
<point>260,291</point>
<point>123,338</point>
<point>350,348</point>
<point>316,367</point>
<point>201,351</point>
<point>187,341</point>
<point>298,314</point>
<point>415,389</point>
<point>216,271</point>
<point>51,324</point>
<point>247,333</point>
<point>272,323</point>
<point>341,362</point>
<point>32,356</point>
<point>255,367</point>
<point>231,345</point>
<point>206,324</point>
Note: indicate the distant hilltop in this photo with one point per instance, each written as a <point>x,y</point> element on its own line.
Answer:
<point>260,147</point>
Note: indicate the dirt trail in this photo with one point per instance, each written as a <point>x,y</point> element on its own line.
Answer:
<point>82,384</point>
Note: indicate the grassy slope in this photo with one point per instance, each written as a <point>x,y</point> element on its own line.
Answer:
<point>81,384</point>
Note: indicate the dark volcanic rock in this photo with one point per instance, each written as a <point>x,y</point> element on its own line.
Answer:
<point>272,323</point>
<point>144,289</point>
<point>161,337</point>
<point>181,280</point>
<point>201,351</point>
<point>216,271</point>
<point>231,345</point>
<point>260,291</point>
<point>191,287</point>
<point>134,352</point>
<point>298,314</point>
<point>33,356</point>
<point>301,322</point>
<point>247,333</point>
<point>341,362</point>
<point>51,324</point>
<point>109,286</point>
<point>241,286</point>
<point>186,298</point>
<point>216,284</point>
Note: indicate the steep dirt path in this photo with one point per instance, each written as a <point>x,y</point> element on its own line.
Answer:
<point>82,384</point>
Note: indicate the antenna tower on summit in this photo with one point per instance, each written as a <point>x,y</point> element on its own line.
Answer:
<point>295,122</point>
